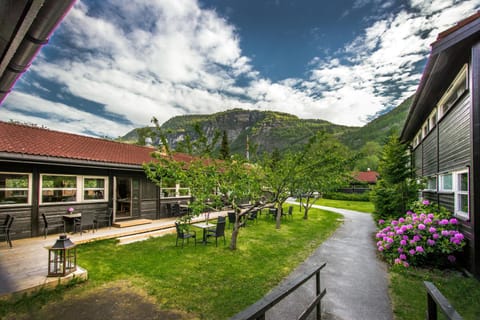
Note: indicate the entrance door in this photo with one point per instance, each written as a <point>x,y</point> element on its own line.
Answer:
<point>123,199</point>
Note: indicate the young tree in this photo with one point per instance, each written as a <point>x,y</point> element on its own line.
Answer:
<point>224,147</point>
<point>278,177</point>
<point>324,167</point>
<point>211,181</point>
<point>396,187</point>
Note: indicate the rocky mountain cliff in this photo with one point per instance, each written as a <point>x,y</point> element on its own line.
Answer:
<point>268,130</point>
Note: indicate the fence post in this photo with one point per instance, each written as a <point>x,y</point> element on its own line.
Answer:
<point>431,308</point>
<point>319,311</point>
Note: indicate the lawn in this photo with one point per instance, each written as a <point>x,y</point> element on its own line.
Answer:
<point>362,206</point>
<point>409,295</point>
<point>206,281</point>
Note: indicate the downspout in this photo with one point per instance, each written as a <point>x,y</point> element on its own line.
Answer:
<point>46,15</point>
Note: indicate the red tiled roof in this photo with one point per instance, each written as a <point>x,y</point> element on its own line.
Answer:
<point>28,140</point>
<point>366,176</point>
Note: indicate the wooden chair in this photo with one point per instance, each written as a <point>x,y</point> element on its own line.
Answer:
<point>5,229</point>
<point>184,234</point>
<point>51,224</point>
<point>219,231</point>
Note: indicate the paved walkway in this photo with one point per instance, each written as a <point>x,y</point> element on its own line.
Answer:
<point>356,281</point>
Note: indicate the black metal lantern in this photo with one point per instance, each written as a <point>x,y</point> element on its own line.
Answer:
<point>62,257</point>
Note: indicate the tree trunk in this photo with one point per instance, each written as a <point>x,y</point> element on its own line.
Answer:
<point>236,228</point>
<point>306,207</point>
<point>279,216</point>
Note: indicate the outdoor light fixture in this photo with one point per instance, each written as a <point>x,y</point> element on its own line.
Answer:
<point>62,257</point>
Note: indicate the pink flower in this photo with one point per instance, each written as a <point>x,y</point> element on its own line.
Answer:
<point>70,209</point>
<point>394,222</point>
<point>436,236</point>
<point>401,220</point>
<point>381,221</point>
<point>426,202</point>
<point>405,264</point>
<point>443,222</point>
<point>430,216</point>
<point>411,251</point>
<point>380,248</point>
<point>398,261</point>
<point>403,242</point>
<point>445,233</point>
<point>430,242</point>
<point>453,221</point>
<point>432,230</point>
<point>417,238</point>
<point>421,226</point>
<point>403,257</point>
<point>419,249</point>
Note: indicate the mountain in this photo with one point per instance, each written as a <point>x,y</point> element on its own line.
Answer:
<point>268,130</point>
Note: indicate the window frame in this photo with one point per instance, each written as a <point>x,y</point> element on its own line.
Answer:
<point>427,184</point>
<point>458,193</point>
<point>79,189</point>
<point>28,189</point>
<point>441,179</point>
<point>454,92</point>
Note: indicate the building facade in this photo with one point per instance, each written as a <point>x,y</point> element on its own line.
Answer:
<point>443,129</point>
<point>46,171</point>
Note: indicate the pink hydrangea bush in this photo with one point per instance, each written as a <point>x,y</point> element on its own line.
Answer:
<point>427,236</point>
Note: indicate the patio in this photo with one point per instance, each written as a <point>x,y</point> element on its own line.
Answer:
<point>24,267</point>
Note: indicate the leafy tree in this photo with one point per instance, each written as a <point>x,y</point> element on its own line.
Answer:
<point>369,156</point>
<point>323,167</point>
<point>212,182</point>
<point>224,146</point>
<point>278,177</point>
<point>396,188</point>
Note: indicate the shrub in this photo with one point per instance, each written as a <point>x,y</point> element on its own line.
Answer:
<point>427,236</point>
<point>347,196</point>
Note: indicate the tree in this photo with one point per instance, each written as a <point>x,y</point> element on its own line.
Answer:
<point>278,177</point>
<point>323,168</point>
<point>396,187</point>
<point>224,146</point>
<point>212,182</point>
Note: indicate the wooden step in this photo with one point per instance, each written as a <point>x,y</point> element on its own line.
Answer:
<point>145,236</point>
<point>130,223</point>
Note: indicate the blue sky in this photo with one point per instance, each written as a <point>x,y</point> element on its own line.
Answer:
<point>112,65</point>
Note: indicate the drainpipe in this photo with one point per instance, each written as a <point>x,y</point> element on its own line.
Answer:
<point>39,20</point>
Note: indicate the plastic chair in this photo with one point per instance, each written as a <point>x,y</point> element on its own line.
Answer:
<point>231,218</point>
<point>47,223</point>
<point>184,234</point>
<point>290,212</point>
<point>85,222</point>
<point>105,218</point>
<point>5,229</point>
<point>218,232</point>
<point>253,215</point>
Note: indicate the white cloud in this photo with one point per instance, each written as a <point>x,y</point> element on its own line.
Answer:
<point>148,58</point>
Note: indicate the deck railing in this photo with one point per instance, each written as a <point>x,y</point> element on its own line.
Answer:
<point>257,310</point>
<point>434,298</point>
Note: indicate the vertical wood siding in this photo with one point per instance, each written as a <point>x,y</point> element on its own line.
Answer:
<point>454,137</point>
<point>430,158</point>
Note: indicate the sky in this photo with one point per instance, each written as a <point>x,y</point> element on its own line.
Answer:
<point>111,66</point>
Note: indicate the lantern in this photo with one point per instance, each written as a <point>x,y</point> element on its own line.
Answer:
<point>62,257</point>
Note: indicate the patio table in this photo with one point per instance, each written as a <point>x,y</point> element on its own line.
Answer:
<point>205,226</point>
<point>70,220</point>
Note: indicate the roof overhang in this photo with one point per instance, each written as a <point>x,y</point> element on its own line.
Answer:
<point>448,54</point>
<point>65,162</point>
<point>25,26</point>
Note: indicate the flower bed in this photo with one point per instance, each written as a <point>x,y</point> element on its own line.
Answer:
<point>428,236</point>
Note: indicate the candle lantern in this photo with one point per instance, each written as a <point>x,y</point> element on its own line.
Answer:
<point>62,257</point>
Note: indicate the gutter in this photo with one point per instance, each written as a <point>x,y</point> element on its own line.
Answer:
<point>39,20</point>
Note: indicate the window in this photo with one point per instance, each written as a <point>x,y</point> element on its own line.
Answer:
<point>431,183</point>
<point>454,92</point>
<point>59,188</point>
<point>446,182</point>
<point>461,194</point>
<point>64,188</point>
<point>94,188</point>
<point>15,188</point>
<point>433,119</point>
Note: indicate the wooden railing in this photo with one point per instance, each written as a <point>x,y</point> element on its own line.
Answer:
<point>257,310</point>
<point>434,298</point>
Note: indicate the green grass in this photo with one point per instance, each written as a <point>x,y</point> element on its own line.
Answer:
<point>362,206</point>
<point>201,280</point>
<point>409,296</point>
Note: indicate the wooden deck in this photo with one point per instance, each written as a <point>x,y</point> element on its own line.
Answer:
<point>24,267</point>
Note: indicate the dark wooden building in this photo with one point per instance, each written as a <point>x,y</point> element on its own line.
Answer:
<point>443,129</point>
<point>46,171</point>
